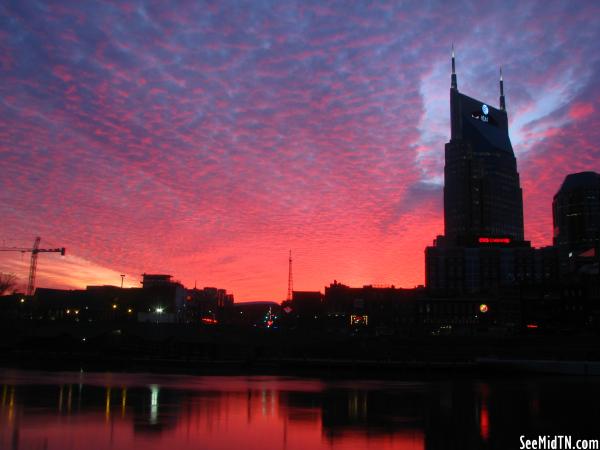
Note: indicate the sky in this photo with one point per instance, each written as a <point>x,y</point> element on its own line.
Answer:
<point>207,139</point>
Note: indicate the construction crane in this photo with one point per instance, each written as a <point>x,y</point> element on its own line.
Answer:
<point>35,250</point>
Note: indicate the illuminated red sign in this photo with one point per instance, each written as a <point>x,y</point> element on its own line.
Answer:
<point>361,320</point>
<point>532,326</point>
<point>209,320</point>
<point>494,240</point>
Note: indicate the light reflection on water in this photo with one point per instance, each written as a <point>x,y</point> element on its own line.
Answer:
<point>71,410</point>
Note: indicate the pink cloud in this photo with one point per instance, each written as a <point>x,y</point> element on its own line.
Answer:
<point>579,111</point>
<point>206,144</point>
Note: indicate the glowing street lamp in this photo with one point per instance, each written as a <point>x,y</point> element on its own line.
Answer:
<point>159,310</point>
<point>483,308</point>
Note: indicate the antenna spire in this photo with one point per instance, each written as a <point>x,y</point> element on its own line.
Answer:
<point>502,100</point>
<point>290,279</point>
<point>453,83</point>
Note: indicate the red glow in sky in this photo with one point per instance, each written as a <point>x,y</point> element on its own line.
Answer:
<point>207,141</point>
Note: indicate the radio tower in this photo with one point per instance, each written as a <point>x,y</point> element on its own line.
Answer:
<point>290,279</point>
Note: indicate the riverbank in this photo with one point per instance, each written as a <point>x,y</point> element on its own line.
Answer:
<point>186,348</point>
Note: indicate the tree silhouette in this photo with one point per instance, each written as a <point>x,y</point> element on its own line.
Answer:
<point>8,283</point>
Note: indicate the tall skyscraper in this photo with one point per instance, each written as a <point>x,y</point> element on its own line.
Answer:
<point>483,246</point>
<point>482,193</point>
<point>576,213</point>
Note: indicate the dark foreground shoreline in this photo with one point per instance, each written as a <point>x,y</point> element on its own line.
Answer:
<point>180,348</point>
<point>481,369</point>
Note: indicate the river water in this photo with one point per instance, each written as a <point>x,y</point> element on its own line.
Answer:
<point>77,410</point>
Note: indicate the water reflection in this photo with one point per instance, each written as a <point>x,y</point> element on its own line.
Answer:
<point>122,411</point>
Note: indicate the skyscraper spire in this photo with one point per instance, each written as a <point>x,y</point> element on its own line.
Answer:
<point>502,101</point>
<point>453,84</point>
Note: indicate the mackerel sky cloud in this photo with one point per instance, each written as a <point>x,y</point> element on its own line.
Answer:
<point>206,139</point>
